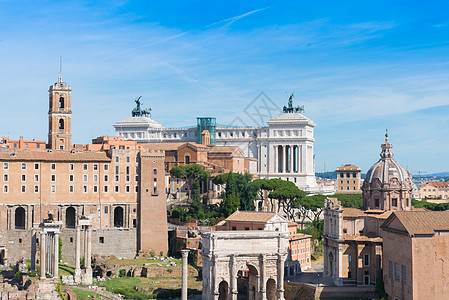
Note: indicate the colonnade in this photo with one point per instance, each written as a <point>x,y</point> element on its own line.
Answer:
<point>49,249</point>
<point>287,159</point>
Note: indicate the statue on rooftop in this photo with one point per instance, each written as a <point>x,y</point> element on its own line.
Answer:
<point>138,112</point>
<point>290,108</point>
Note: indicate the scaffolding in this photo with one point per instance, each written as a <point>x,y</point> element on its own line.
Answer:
<point>206,123</point>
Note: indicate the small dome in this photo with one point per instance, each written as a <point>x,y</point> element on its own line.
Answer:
<point>387,168</point>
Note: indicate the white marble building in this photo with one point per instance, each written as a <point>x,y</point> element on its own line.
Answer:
<point>284,148</point>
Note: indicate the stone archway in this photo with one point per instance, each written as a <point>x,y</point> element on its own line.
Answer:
<point>223,289</point>
<point>118,216</point>
<point>271,289</point>
<point>231,256</point>
<point>19,218</point>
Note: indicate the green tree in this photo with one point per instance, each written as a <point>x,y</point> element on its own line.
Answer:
<point>350,200</point>
<point>241,186</point>
<point>190,173</point>
<point>229,204</point>
<point>288,196</point>
<point>313,204</point>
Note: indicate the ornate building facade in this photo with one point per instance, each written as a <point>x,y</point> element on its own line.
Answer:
<point>352,237</point>
<point>283,149</point>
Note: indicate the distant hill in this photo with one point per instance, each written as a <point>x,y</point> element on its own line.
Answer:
<point>440,174</point>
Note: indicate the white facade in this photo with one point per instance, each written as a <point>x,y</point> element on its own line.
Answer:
<point>283,149</point>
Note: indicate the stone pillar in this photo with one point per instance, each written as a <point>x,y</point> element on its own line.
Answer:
<point>42,262</point>
<point>87,258</point>
<point>56,255</point>
<point>233,281</point>
<point>77,253</point>
<point>263,290</point>
<point>185,254</point>
<point>274,157</point>
<point>280,277</point>
<point>292,154</point>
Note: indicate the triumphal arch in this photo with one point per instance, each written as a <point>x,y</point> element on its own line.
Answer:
<point>244,263</point>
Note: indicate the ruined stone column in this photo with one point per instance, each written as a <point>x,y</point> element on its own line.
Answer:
<point>280,277</point>
<point>42,262</point>
<point>233,282</point>
<point>77,248</point>
<point>89,247</point>
<point>185,254</point>
<point>56,255</point>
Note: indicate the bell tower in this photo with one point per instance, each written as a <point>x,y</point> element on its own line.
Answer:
<point>60,116</point>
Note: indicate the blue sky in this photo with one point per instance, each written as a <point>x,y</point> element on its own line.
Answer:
<point>358,67</point>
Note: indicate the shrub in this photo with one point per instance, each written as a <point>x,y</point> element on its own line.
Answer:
<point>122,273</point>
<point>17,275</point>
<point>152,253</point>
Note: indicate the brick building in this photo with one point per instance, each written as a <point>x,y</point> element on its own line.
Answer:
<point>349,179</point>
<point>416,248</point>
<point>436,191</point>
<point>119,186</point>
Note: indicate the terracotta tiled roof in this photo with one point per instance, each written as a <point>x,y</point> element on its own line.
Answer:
<point>348,167</point>
<point>352,212</point>
<point>161,146</point>
<point>361,238</point>
<point>299,236</point>
<point>251,216</point>
<point>421,222</point>
<point>223,149</point>
<point>439,184</point>
<point>35,155</point>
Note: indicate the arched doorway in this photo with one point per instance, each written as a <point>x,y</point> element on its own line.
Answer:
<point>118,217</point>
<point>247,283</point>
<point>61,102</point>
<point>20,218</point>
<point>70,217</point>
<point>271,289</point>
<point>223,289</point>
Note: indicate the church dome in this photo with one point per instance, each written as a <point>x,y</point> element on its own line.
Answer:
<point>387,185</point>
<point>387,168</point>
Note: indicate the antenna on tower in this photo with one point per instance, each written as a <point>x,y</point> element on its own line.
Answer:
<point>60,69</point>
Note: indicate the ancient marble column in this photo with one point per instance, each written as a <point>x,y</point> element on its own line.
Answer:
<point>56,255</point>
<point>234,290</point>
<point>89,247</point>
<point>185,254</point>
<point>42,262</point>
<point>281,276</point>
<point>77,248</point>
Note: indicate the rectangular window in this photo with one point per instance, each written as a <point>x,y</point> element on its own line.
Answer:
<point>136,189</point>
<point>127,169</point>
<point>95,178</point>
<point>394,202</point>
<point>5,166</point>
<point>116,188</point>
<point>137,178</point>
<point>53,177</point>
<point>23,189</point>
<point>95,167</point>
<point>71,167</point>
<point>5,188</point>
<point>85,167</point>
<point>106,178</point>
<point>36,189</point>
<point>84,178</point>
<point>36,166</point>
<point>53,166</point>
<point>24,166</point>
<point>390,269</point>
<point>234,228</point>
<point>5,177</point>
<point>397,275</point>
<point>349,258</point>
<point>71,189</point>
<point>127,178</point>
<point>36,178</point>
<point>404,275</point>
<point>95,188</point>
<point>366,260</point>
<point>106,167</point>
<point>127,159</point>
<point>53,188</point>
<point>101,240</point>
<point>70,177</point>
<point>105,189</point>
<point>105,209</point>
<point>127,189</point>
<point>116,178</point>
<point>155,191</point>
<point>24,177</point>
<point>84,188</point>
<point>117,159</point>
<point>134,223</point>
<point>116,169</point>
